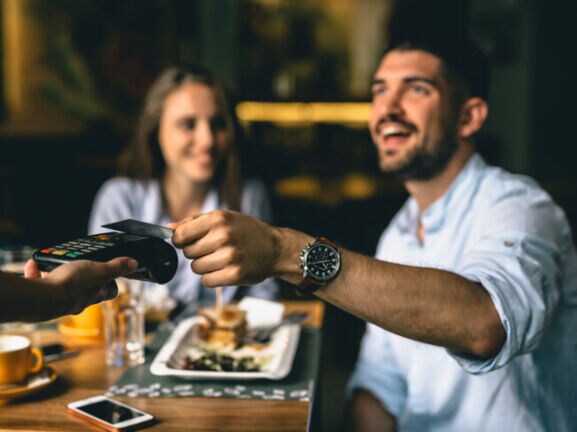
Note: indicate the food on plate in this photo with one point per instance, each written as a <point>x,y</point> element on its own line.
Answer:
<point>210,360</point>
<point>219,343</point>
<point>223,328</point>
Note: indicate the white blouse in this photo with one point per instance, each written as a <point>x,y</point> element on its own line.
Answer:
<point>123,198</point>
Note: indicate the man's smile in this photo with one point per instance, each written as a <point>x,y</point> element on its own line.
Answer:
<point>394,134</point>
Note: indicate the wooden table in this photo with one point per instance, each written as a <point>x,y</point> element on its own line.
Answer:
<point>87,375</point>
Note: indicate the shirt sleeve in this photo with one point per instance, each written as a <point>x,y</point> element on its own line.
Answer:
<point>377,372</point>
<point>519,260</point>
<point>111,203</point>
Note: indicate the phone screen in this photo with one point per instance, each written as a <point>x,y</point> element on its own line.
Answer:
<point>110,412</point>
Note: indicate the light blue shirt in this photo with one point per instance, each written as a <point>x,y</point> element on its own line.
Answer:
<point>505,232</point>
<point>123,198</point>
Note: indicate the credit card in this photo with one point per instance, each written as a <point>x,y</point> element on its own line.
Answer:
<point>136,227</point>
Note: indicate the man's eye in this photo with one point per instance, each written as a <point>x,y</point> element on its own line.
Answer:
<point>376,91</point>
<point>419,89</point>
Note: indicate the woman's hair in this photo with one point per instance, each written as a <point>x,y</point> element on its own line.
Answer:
<point>143,159</point>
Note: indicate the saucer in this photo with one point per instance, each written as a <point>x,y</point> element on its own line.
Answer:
<point>34,383</point>
<point>65,326</point>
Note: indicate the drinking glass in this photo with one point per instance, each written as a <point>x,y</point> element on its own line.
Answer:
<point>13,258</point>
<point>124,324</point>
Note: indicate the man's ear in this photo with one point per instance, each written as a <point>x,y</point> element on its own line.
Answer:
<point>473,114</point>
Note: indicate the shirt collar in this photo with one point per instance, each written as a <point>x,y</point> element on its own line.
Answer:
<point>462,188</point>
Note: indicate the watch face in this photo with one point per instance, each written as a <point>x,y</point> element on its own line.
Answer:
<point>321,262</point>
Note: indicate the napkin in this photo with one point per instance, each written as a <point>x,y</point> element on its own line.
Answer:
<point>261,313</point>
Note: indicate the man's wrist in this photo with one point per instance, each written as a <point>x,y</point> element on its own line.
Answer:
<point>289,245</point>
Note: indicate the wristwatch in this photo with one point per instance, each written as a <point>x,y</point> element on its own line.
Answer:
<point>321,262</point>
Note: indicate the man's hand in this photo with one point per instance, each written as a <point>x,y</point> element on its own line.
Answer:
<point>228,248</point>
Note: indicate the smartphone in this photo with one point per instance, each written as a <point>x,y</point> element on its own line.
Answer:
<point>57,351</point>
<point>109,414</point>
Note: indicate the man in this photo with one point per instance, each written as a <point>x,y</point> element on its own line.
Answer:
<point>472,301</point>
<point>67,289</point>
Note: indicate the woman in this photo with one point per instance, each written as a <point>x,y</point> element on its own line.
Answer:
<point>183,161</point>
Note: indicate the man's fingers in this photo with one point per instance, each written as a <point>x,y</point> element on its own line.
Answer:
<point>210,263</point>
<point>175,225</point>
<point>227,276</point>
<point>201,247</point>
<point>220,270</point>
<point>191,229</point>
<point>216,279</point>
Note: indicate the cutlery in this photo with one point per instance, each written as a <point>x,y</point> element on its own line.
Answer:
<point>263,334</point>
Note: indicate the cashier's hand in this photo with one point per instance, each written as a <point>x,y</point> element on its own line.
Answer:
<point>228,248</point>
<point>81,283</point>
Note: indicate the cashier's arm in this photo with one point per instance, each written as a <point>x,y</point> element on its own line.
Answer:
<point>67,289</point>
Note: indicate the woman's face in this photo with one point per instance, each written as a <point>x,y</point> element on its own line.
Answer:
<point>192,132</point>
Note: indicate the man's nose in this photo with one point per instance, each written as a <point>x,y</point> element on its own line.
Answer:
<point>389,104</point>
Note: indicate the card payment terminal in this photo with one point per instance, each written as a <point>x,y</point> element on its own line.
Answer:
<point>157,258</point>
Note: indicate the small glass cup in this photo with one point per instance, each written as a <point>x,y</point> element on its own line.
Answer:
<point>13,258</point>
<point>124,325</point>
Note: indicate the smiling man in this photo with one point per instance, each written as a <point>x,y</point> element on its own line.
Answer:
<point>471,302</point>
<point>486,227</point>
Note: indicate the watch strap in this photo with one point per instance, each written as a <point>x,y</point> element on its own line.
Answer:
<point>327,241</point>
<point>307,287</point>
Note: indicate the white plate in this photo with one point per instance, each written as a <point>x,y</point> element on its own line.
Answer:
<point>281,352</point>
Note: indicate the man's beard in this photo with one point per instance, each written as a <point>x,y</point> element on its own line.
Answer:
<point>425,163</point>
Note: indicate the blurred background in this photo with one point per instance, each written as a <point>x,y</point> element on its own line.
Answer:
<point>74,73</point>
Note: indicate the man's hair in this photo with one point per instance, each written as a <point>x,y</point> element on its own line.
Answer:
<point>462,60</point>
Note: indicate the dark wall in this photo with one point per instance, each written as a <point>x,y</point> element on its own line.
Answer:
<point>553,146</point>
<point>48,183</point>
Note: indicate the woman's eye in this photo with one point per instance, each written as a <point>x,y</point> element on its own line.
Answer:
<point>188,124</point>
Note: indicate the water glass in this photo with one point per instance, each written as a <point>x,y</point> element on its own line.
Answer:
<point>124,325</point>
<point>13,258</point>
